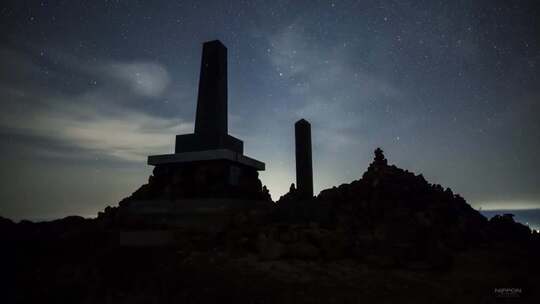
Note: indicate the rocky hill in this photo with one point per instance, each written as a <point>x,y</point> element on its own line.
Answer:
<point>388,236</point>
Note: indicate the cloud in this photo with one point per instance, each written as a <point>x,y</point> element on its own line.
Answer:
<point>129,136</point>
<point>97,119</point>
<point>145,78</point>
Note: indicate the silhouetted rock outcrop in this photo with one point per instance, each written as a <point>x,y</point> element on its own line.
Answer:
<point>388,232</point>
<point>395,205</point>
<point>503,228</point>
<point>394,217</point>
<point>390,216</point>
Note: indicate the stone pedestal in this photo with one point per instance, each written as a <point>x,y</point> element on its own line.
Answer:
<point>203,179</point>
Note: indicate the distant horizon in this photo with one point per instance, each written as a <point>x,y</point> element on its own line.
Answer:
<point>87,216</point>
<point>533,223</point>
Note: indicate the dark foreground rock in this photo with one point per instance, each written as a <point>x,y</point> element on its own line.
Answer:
<point>387,237</point>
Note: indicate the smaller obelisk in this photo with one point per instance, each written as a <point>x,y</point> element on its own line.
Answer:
<point>304,169</point>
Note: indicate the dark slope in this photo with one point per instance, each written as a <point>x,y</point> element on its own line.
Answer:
<point>388,237</point>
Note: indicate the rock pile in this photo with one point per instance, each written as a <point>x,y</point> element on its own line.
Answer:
<point>390,216</point>
<point>393,216</point>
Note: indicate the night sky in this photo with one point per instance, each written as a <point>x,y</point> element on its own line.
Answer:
<point>449,89</point>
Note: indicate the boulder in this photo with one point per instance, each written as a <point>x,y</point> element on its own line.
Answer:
<point>302,250</point>
<point>268,248</point>
<point>331,243</point>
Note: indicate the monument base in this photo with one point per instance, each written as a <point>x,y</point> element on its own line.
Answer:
<point>215,178</point>
<point>206,155</point>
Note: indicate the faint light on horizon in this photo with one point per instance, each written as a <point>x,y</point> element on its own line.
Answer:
<point>507,205</point>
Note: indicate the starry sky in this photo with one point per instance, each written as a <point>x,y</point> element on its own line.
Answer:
<point>88,89</point>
